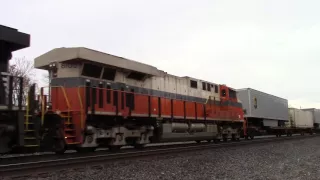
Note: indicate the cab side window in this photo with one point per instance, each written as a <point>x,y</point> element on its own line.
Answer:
<point>232,93</point>
<point>223,93</point>
<point>91,70</point>
<point>193,84</point>
<point>203,86</point>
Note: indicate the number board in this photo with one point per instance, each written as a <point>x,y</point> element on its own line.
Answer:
<point>66,65</point>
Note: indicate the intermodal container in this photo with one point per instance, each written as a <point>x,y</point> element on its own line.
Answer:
<point>300,118</point>
<point>315,114</point>
<point>258,104</point>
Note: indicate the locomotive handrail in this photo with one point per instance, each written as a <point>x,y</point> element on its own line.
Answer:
<point>209,98</point>
<point>27,114</point>
<point>42,109</point>
<point>42,105</point>
<point>64,94</point>
<point>65,97</point>
<point>81,107</point>
<point>67,101</point>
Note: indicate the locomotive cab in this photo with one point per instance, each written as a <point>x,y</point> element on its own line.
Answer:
<point>88,89</point>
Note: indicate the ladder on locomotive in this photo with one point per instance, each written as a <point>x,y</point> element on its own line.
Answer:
<point>31,139</point>
<point>69,126</point>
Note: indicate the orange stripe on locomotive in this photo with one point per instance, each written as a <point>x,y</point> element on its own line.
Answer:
<point>105,104</point>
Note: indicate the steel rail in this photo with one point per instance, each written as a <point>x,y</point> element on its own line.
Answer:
<point>36,167</point>
<point>12,158</point>
<point>40,156</point>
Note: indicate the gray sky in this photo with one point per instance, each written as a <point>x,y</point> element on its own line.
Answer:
<point>270,45</point>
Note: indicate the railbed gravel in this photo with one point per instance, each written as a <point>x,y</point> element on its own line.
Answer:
<point>293,160</point>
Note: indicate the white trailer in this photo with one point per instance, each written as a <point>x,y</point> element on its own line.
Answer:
<point>299,118</point>
<point>316,116</point>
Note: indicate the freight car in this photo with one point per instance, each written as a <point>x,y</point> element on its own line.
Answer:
<point>267,114</point>
<point>315,117</point>
<point>263,112</point>
<point>100,100</point>
<point>300,121</point>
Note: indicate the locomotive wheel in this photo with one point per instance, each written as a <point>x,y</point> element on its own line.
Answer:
<point>59,146</point>
<point>224,138</point>
<point>233,137</point>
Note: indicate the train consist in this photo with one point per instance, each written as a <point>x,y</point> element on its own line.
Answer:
<point>100,100</point>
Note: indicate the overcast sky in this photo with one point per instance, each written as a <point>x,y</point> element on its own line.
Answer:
<point>270,45</point>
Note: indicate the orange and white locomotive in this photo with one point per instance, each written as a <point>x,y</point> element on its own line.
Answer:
<point>100,100</point>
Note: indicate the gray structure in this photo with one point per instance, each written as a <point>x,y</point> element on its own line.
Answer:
<point>10,40</point>
<point>260,105</point>
<point>12,116</point>
<point>316,116</point>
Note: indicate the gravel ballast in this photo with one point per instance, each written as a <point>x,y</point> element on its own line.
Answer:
<point>292,159</point>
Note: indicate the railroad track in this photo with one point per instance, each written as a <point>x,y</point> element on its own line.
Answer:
<point>35,166</point>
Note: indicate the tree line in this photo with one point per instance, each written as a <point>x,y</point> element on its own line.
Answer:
<point>21,67</point>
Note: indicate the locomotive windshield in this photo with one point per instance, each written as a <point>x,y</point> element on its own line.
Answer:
<point>232,93</point>
<point>109,74</point>
<point>91,70</point>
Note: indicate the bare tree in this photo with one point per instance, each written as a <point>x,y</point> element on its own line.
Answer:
<point>21,67</point>
<point>46,78</point>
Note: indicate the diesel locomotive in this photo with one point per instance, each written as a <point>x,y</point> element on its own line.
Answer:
<point>100,100</point>
<point>96,99</point>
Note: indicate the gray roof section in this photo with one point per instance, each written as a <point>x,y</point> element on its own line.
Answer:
<point>65,54</point>
<point>246,89</point>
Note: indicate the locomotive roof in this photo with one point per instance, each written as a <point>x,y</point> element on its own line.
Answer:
<point>81,53</point>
